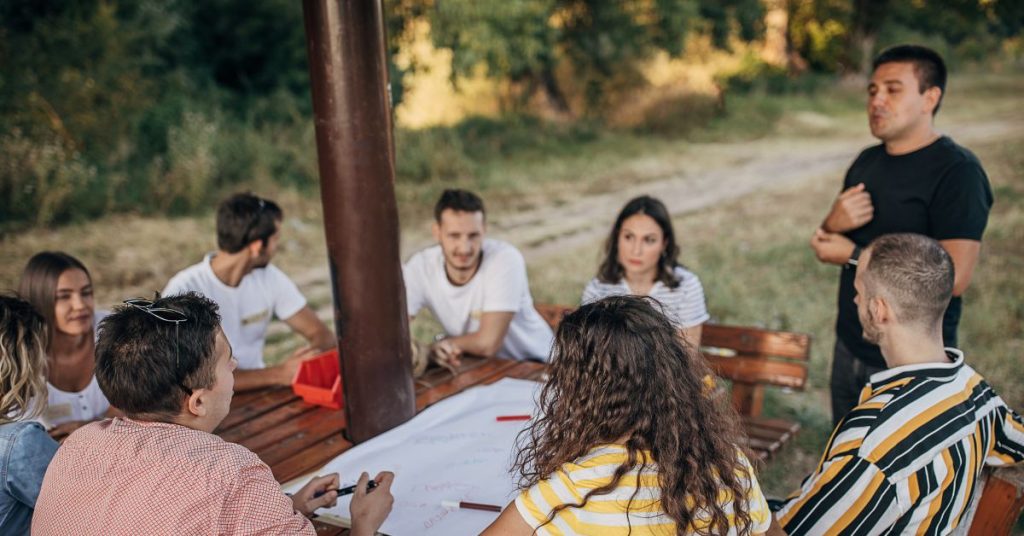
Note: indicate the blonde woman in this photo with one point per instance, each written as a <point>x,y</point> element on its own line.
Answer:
<point>25,447</point>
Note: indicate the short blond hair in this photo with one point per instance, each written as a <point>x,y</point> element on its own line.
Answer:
<point>23,341</point>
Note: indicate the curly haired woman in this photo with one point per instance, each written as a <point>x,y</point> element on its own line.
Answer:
<point>628,442</point>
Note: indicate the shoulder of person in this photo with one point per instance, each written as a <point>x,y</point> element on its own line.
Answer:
<point>869,153</point>
<point>270,272</point>
<point>22,431</point>
<point>686,277</point>
<point>424,257</point>
<point>499,251</point>
<point>188,278</point>
<point>957,155</point>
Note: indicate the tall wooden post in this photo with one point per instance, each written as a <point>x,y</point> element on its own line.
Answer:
<point>352,108</point>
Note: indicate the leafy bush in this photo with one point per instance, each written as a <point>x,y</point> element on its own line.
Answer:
<point>41,179</point>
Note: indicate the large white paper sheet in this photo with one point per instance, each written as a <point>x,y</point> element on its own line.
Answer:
<point>454,450</point>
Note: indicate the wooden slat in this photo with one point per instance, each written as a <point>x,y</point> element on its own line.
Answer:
<point>283,441</point>
<point>1000,504</point>
<point>745,340</point>
<point>754,370</point>
<point>243,398</point>
<point>527,370</point>
<point>269,420</point>
<point>311,458</point>
<point>492,367</point>
<point>248,408</point>
<point>438,375</point>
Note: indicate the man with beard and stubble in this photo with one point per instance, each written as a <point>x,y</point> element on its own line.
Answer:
<point>907,458</point>
<point>476,287</point>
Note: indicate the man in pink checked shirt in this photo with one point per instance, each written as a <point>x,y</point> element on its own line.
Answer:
<point>159,469</point>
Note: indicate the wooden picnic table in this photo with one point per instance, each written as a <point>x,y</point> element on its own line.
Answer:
<point>295,438</point>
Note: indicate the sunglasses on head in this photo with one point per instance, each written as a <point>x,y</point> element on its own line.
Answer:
<point>164,314</point>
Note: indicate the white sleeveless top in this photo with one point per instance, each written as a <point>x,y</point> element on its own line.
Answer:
<point>88,404</point>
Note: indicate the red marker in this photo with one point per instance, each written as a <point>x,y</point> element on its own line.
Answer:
<point>506,418</point>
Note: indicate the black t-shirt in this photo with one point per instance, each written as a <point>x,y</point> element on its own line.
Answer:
<point>939,191</point>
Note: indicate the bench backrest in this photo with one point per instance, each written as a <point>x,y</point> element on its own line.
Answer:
<point>749,357</point>
<point>752,358</point>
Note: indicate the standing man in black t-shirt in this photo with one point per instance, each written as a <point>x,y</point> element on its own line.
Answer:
<point>915,181</point>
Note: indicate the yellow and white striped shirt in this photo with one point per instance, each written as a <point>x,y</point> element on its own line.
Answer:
<point>633,507</point>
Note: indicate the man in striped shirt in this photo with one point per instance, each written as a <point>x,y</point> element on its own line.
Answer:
<point>907,458</point>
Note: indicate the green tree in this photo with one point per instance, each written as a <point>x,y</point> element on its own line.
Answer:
<point>843,35</point>
<point>524,42</point>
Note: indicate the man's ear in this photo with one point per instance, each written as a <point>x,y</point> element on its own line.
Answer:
<point>255,247</point>
<point>880,310</point>
<point>435,229</point>
<point>932,96</point>
<point>196,405</point>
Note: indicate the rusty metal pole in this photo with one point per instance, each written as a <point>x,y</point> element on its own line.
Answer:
<point>352,108</point>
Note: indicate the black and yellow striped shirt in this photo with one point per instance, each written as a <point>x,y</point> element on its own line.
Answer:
<point>906,459</point>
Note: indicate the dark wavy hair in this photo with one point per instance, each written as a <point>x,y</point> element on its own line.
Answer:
<point>611,271</point>
<point>620,374</point>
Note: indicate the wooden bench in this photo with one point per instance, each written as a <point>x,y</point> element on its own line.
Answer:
<point>750,358</point>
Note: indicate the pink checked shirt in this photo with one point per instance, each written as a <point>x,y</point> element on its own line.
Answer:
<point>123,476</point>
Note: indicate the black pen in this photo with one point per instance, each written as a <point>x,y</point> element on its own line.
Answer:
<point>347,490</point>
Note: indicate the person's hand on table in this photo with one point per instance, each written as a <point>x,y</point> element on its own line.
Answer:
<point>370,508</point>
<point>305,500</point>
<point>286,369</point>
<point>446,353</point>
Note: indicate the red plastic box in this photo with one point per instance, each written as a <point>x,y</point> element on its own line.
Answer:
<point>318,380</point>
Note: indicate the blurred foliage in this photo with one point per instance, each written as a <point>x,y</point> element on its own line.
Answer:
<point>163,106</point>
<point>843,35</point>
<point>603,42</point>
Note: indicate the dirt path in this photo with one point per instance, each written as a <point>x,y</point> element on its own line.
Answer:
<point>148,251</point>
<point>719,172</point>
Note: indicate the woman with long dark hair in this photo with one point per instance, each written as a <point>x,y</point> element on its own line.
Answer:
<point>641,258</point>
<point>628,439</point>
<point>60,288</point>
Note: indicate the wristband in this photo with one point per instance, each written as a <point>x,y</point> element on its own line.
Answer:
<point>854,257</point>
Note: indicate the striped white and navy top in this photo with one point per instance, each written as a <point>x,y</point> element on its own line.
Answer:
<point>633,507</point>
<point>906,459</point>
<point>684,305</point>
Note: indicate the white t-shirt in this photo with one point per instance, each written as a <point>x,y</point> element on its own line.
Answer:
<point>684,305</point>
<point>500,285</point>
<point>88,404</point>
<point>245,310</point>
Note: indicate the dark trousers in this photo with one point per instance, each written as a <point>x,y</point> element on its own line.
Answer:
<point>849,375</point>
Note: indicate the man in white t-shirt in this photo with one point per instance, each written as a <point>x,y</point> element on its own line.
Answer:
<point>250,291</point>
<point>476,288</point>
